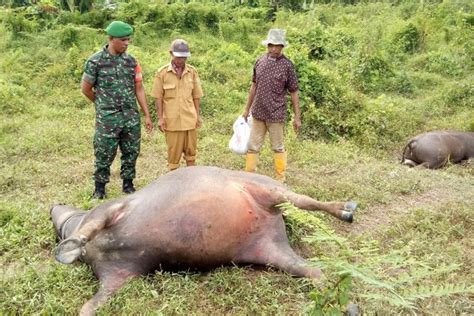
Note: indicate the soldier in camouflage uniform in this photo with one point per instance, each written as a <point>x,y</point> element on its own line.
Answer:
<point>113,81</point>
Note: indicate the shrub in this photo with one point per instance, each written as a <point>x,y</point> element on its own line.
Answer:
<point>340,43</point>
<point>190,19</point>
<point>314,39</point>
<point>19,25</point>
<point>75,60</point>
<point>442,63</point>
<point>459,94</point>
<point>13,98</point>
<point>408,39</point>
<point>326,104</point>
<point>68,36</point>
<point>402,83</point>
<point>131,11</point>
<point>211,20</point>
<point>67,17</point>
<point>97,18</point>
<point>371,72</point>
<point>219,60</point>
<point>238,32</point>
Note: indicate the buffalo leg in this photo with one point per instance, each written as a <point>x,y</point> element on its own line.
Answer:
<point>292,264</point>
<point>110,283</point>
<point>342,210</point>
<point>282,257</point>
<point>70,249</point>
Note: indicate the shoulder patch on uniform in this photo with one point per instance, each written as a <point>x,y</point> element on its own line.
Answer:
<point>96,56</point>
<point>191,67</point>
<point>162,68</point>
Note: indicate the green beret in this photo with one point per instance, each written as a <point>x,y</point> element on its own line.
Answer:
<point>119,29</point>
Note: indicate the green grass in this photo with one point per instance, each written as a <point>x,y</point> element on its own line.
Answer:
<point>410,248</point>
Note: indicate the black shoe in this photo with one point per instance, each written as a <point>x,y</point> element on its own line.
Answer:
<point>128,186</point>
<point>99,192</point>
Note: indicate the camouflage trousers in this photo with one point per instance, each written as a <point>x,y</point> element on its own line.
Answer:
<point>108,137</point>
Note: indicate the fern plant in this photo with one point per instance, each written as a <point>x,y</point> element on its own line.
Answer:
<point>382,277</point>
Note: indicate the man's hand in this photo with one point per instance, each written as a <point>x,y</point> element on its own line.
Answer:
<point>245,114</point>
<point>162,125</point>
<point>297,124</point>
<point>148,124</point>
<point>199,122</point>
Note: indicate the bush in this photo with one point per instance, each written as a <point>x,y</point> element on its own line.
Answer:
<point>442,63</point>
<point>75,60</point>
<point>97,18</point>
<point>19,25</point>
<point>211,20</point>
<point>326,104</point>
<point>131,11</point>
<point>371,72</point>
<point>314,39</point>
<point>459,94</point>
<point>67,17</point>
<point>383,122</point>
<point>408,39</point>
<point>239,32</point>
<point>68,36</point>
<point>190,20</point>
<point>401,83</point>
<point>13,98</point>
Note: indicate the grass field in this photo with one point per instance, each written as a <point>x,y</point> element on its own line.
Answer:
<point>410,249</point>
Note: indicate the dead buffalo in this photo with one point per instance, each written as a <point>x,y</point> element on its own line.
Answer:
<point>197,217</point>
<point>434,149</point>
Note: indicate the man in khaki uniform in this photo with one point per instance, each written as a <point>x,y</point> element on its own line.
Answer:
<point>177,90</point>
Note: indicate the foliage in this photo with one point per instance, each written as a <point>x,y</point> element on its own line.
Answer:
<point>371,76</point>
<point>371,72</point>
<point>396,277</point>
<point>408,39</point>
<point>19,25</point>
<point>69,36</point>
<point>333,299</point>
<point>80,5</point>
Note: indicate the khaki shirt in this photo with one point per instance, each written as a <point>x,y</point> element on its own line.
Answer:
<point>177,94</point>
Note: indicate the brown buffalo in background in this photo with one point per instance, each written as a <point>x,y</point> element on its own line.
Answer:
<point>435,149</point>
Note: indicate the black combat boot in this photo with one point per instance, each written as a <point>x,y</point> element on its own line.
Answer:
<point>99,192</point>
<point>128,186</point>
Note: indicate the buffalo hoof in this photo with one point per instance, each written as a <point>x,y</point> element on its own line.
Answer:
<point>69,250</point>
<point>350,206</point>
<point>347,216</point>
<point>352,310</point>
<point>348,212</point>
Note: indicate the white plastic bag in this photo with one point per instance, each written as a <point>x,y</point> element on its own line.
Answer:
<point>240,139</point>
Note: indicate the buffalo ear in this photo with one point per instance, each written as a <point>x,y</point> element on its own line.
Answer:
<point>69,250</point>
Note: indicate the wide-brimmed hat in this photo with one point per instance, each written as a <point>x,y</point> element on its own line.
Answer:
<point>276,37</point>
<point>180,48</point>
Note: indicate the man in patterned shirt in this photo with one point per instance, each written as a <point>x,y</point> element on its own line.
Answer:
<point>273,77</point>
<point>112,79</point>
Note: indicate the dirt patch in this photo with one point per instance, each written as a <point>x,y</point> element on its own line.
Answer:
<point>378,216</point>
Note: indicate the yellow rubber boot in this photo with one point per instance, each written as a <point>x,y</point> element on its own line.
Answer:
<point>280,166</point>
<point>251,162</point>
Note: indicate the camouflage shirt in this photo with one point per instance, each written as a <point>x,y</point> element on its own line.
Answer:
<point>113,78</point>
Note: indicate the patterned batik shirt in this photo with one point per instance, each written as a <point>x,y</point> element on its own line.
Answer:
<point>113,78</point>
<point>274,78</point>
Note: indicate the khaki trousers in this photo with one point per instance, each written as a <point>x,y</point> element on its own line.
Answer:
<point>181,143</point>
<point>257,136</point>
